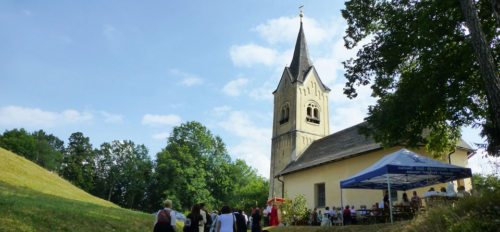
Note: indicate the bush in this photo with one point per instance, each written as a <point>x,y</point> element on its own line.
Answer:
<point>294,212</point>
<point>476,213</point>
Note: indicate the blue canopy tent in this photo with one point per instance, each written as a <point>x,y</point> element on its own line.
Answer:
<point>403,170</point>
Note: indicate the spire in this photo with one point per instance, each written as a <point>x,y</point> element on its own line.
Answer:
<point>300,62</point>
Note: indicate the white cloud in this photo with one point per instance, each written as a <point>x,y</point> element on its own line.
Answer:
<point>161,120</point>
<point>191,81</point>
<point>187,79</point>
<point>251,54</point>
<point>17,116</point>
<point>235,87</point>
<point>263,92</point>
<point>221,110</point>
<point>160,136</point>
<point>284,29</point>
<point>255,144</point>
<point>483,164</point>
<point>112,118</point>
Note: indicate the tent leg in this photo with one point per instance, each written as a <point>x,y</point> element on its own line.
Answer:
<point>390,198</point>
<point>341,204</point>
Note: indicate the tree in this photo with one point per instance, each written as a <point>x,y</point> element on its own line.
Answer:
<point>49,150</point>
<point>248,188</point>
<point>181,166</point>
<point>78,162</point>
<point>123,172</point>
<point>419,64</point>
<point>44,149</point>
<point>195,167</point>
<point>107,171</point>
<point>20,142</point>
<point>485,183</point>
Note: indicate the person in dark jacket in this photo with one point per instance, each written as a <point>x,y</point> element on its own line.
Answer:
<point>256,220</point>
<point>241,225</point>
<point>194,218</point>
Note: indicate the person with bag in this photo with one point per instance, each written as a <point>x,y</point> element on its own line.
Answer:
<point>165,218</point>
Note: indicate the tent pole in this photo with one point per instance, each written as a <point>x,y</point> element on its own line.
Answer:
<point>390,198</point>
<point>341,204</point>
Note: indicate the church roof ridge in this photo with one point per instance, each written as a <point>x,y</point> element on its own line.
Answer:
<point>340,145</point>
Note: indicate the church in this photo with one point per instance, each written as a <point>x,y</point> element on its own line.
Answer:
<point>306,159</point>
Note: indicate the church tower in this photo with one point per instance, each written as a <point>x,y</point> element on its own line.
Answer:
<point>300,112</point>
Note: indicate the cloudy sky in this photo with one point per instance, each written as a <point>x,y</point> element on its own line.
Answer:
<point>135,69</point>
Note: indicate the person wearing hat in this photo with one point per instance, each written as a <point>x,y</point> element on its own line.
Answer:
<point>165,218</point>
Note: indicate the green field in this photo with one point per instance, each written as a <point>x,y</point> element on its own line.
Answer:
<point>34,199</point>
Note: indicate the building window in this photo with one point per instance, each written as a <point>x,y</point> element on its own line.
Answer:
<point>319,192</point>
<point>312,113</point>
<point>285,114</point>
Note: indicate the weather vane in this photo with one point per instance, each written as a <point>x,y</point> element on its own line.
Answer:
<point>301,12</point>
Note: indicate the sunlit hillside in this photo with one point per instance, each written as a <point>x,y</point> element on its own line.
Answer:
<point>18,171</point>
<point>34,199</point>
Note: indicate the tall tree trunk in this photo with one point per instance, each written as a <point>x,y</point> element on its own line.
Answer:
<point>495,5</point>
<point>488,71</point>
<point>111,190</point>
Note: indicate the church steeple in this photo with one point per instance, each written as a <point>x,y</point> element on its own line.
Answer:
<point>300,62</point>
<point>300,112</point>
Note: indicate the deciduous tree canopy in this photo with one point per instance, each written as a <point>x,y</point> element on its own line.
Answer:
<point>420,64</point>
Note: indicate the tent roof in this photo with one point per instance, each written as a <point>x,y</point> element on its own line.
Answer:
<point>406,170</point>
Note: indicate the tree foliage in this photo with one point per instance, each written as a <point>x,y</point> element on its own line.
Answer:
<point>294,212</point>
<point>44,149</point>
<point>78,162</point>
<point>485,183</point>
<point>195,167</point>
<point>420,66</point>
<point>122,174</point>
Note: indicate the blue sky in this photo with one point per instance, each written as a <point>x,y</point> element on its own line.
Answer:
<point>135,69</point>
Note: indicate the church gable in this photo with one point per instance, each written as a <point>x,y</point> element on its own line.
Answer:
<point>285,81</point>
<point>313,76</point>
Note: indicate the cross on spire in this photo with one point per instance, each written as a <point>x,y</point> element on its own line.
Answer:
<point>301,14</point>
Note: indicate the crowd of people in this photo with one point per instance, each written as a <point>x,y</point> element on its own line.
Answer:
<point>226,220</point>
<point>350,215</point>
<point>230,220</point>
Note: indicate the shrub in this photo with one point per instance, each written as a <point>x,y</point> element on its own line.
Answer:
<point>294,212</point>
<point>476,213</point>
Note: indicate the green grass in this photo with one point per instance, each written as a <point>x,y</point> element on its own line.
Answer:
<point>18,171</point>
<point>23,209</point>
<point>397,226</point>
<point>34,199</point>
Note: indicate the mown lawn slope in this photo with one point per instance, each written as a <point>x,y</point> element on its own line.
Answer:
<point>34,199</point>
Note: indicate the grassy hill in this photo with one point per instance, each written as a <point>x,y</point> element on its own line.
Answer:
<point>34,199</point>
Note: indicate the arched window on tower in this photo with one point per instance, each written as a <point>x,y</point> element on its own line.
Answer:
<point>312,113</point>
<point>285,114</point>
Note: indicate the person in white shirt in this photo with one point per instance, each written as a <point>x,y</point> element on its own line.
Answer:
<point>246,218</point>
<point>431,192</point>
<point>225,221</point>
